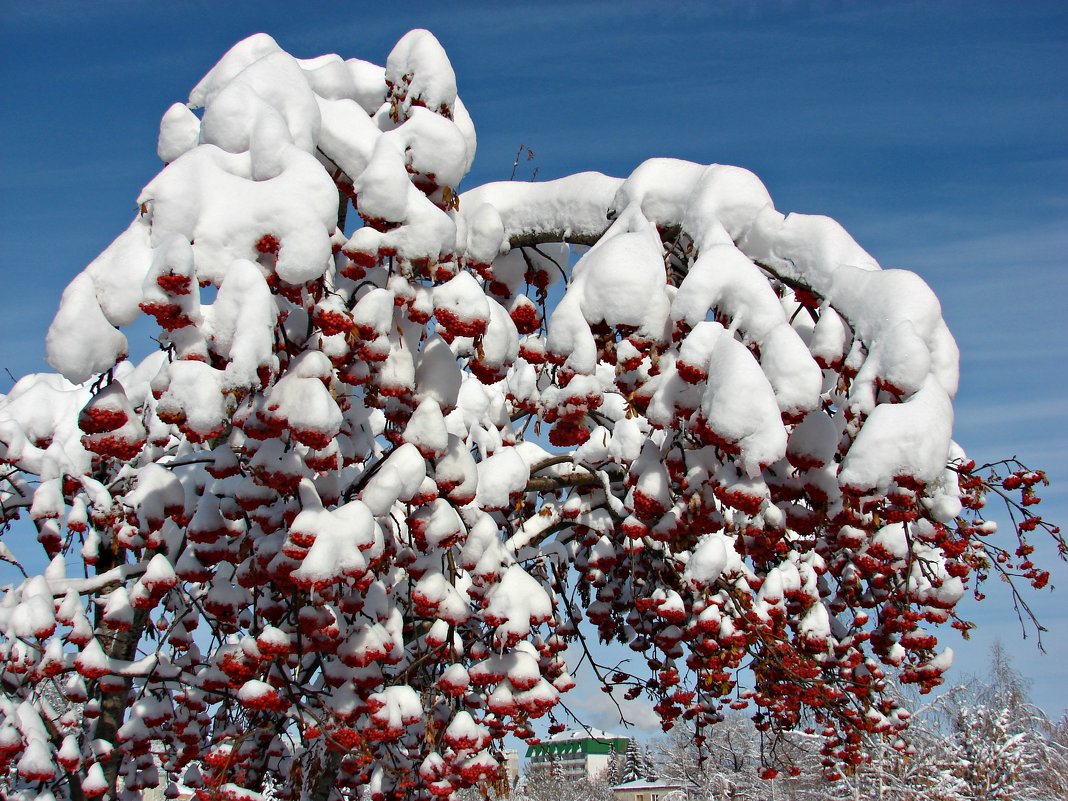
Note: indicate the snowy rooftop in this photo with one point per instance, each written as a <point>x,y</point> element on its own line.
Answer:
<point>585,734</point>
<point>579,741</point>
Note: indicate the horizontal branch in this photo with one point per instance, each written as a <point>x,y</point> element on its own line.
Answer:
<point>533,238</point>
<point>582,475</point>
<point>549,483</point>
<point>96,584</point>
<point>529,239</point>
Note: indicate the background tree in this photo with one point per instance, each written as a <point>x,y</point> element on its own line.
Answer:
<point>678,759</point>
<point>981,740</point>
<point>1000,745</point>
<point>315,544</point>
<point>1056,772</point>
<point>724,763</point>
<point>649,770</point>
<point>633,763</point>
<point>543,786</point>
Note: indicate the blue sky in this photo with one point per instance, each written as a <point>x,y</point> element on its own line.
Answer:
<point>935,132</point>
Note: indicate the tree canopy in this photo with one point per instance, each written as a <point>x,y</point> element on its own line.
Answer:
<point>338,530</point>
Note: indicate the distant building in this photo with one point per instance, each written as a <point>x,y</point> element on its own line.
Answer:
<point>574,755</point>
<point>656,790</point>
<point>511,765</point>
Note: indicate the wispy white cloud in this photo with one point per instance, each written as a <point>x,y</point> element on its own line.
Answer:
<point>596,708</point>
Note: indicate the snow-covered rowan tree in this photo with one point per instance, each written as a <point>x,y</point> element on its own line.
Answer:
<point>313,545</point>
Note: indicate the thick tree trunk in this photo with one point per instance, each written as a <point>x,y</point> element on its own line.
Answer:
<point>322,784</point>
<point>113,705</point>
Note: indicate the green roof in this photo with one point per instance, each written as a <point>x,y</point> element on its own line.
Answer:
<point>578,745</point>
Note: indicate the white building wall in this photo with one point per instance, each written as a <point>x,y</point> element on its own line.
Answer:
<point>596,764</point>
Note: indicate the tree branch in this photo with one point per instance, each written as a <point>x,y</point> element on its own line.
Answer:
<point>529,239</point>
